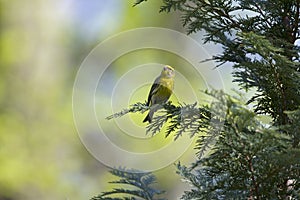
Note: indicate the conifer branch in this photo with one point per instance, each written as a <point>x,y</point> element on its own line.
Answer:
<point>141,182</point>
<point>137,107</point>
<point>183,118</point>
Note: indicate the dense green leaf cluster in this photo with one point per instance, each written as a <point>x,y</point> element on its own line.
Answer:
<point>258,38</point>
<point>248,160</point>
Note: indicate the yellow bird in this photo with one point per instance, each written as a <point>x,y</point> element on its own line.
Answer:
<point>160,91</point>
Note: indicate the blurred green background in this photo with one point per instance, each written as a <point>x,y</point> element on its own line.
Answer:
<point>42,44</point>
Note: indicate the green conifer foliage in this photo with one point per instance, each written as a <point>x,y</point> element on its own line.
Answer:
<point>248,159</point>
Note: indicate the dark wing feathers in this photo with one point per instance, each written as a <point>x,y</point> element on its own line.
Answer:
<point>153,90</point>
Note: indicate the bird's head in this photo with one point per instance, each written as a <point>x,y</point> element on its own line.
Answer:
<point>168,71</point>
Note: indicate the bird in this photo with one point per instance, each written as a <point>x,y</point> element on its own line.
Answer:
<point>160,91</point>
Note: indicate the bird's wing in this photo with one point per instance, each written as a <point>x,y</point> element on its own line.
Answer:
<point>153,90</point>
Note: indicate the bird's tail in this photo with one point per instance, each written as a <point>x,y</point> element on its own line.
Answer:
<point>152,110</point>
<point>149,117</point>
